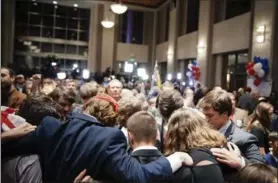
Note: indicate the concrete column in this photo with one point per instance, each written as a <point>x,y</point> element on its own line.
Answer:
<point>204,47</point>
<point>218,71</point>
<point>264,15</point>
<point>7,31</point>
<point>95,40</point>
<point>173,34</point>
<point>108,41</point>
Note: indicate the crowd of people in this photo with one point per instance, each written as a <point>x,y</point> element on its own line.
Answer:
<point>76,131</point>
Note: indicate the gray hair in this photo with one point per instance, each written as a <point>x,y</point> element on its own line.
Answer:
<point>88,90</point>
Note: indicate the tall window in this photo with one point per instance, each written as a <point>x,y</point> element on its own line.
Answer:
<point>192,16</point>
<point>162,30</point>
<point>237,7</point>
<point>131,27</point>
<point>47,29</point>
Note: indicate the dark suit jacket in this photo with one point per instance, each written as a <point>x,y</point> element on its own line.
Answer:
<point>83,143</point>
<point>270,160</point>
<point>246,142</point>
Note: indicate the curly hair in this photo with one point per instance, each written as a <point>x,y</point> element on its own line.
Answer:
<point>127,107</point>
<point>101,109</point>
<point>187,130</point>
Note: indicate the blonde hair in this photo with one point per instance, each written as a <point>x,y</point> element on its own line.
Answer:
<point>102,110</point>
<point>127,107</point>
<point>187,130</point>
<point>88,90</point>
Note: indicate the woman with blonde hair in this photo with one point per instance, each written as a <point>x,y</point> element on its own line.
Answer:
<point>260,125</point>
<point>104,108</point>
<point>189,132</point>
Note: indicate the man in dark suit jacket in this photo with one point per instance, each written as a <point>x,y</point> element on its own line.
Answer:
<point>142,132</point>
<point>217,107</point>
<point>83,143</point>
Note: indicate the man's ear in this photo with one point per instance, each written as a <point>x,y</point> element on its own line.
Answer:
<point>130,137</point>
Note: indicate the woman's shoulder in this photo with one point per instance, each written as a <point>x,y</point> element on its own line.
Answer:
<point>202,154</point>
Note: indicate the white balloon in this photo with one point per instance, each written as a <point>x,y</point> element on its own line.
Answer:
<point>261,73</point>
<point>189,74</point>
<point>190,66</point>
<point>257,67</point>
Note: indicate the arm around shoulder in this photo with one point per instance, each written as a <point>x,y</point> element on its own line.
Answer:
<point>127,169</point>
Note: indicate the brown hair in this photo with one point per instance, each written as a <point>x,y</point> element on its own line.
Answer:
<point>257,173</point>
<point>169,101</point>
<point>103,110</point>
<point>143,126</point>
<point>261,114</point>
<point>219,100</point>
<point>188,130</point>
<point>63,92</point>
<point>127,107</point>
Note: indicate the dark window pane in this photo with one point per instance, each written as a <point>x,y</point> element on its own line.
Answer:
<point>61,22</point>
<point>84,36</point>
<point>61,11</point>
<point>48,21</point>
<point>35,19</point>
<point>46,47</point>
<point>36,7</point>
<point>72,24</point>
<point>83,50</point>
<point>48,9</point>
<point>69,64</point>
<point>84,13</point>
<point>193,16</point>
<point>84,24</point>
<point>47,32</point>
<point>21,6</point>
<point>21,17</point>
<point>72,12</point>
<point>21,30</point>
<point>34,31</point>
<point>71,49</point>
<point>237,7</point>
<point>60,34</point>
<point>82,64</point>
<point>19,46</point>
<point>72,35</point>
<point>59,48</point>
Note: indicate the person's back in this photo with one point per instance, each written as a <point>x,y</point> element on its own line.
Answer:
<point>82,143</point>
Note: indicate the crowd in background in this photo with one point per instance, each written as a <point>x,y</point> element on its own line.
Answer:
<point>87,131</point>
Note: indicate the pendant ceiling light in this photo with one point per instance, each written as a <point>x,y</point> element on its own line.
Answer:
<point>118,8</point>
<point>107,23</point>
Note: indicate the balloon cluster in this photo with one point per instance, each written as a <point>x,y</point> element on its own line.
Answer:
<point>194,70</point>
<point>258,68</point>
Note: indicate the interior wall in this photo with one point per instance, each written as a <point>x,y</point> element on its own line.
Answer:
<point>187,46</point>
<point>232,34</point>
<point>161,52</point>
<point>125,51</point>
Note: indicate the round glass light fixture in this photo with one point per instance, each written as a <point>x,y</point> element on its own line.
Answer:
<point>118,8</point>
<point>61,75</point>
<point>107,24</point>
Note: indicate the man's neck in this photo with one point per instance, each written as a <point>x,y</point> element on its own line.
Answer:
<point>142,144</point>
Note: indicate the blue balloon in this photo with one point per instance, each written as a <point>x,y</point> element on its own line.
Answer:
<point>194,63</point>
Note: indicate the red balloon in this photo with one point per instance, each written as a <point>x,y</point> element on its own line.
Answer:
<point>198,74</point>
<point>257,82</point>
<point>197,68</point>
<point>249,65</point>
<point>251,72</point>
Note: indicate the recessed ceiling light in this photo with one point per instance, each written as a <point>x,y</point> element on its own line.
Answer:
<point>75,5</point>
<point>33,0</point>
<point>55,2</point>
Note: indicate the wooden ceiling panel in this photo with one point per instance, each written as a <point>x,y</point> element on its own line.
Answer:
<point>146,3</point>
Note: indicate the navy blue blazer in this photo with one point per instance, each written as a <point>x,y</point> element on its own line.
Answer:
<point>270,160</point>
<point>83,143</point>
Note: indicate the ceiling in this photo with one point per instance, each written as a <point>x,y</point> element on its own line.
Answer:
<point>145,3</point>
